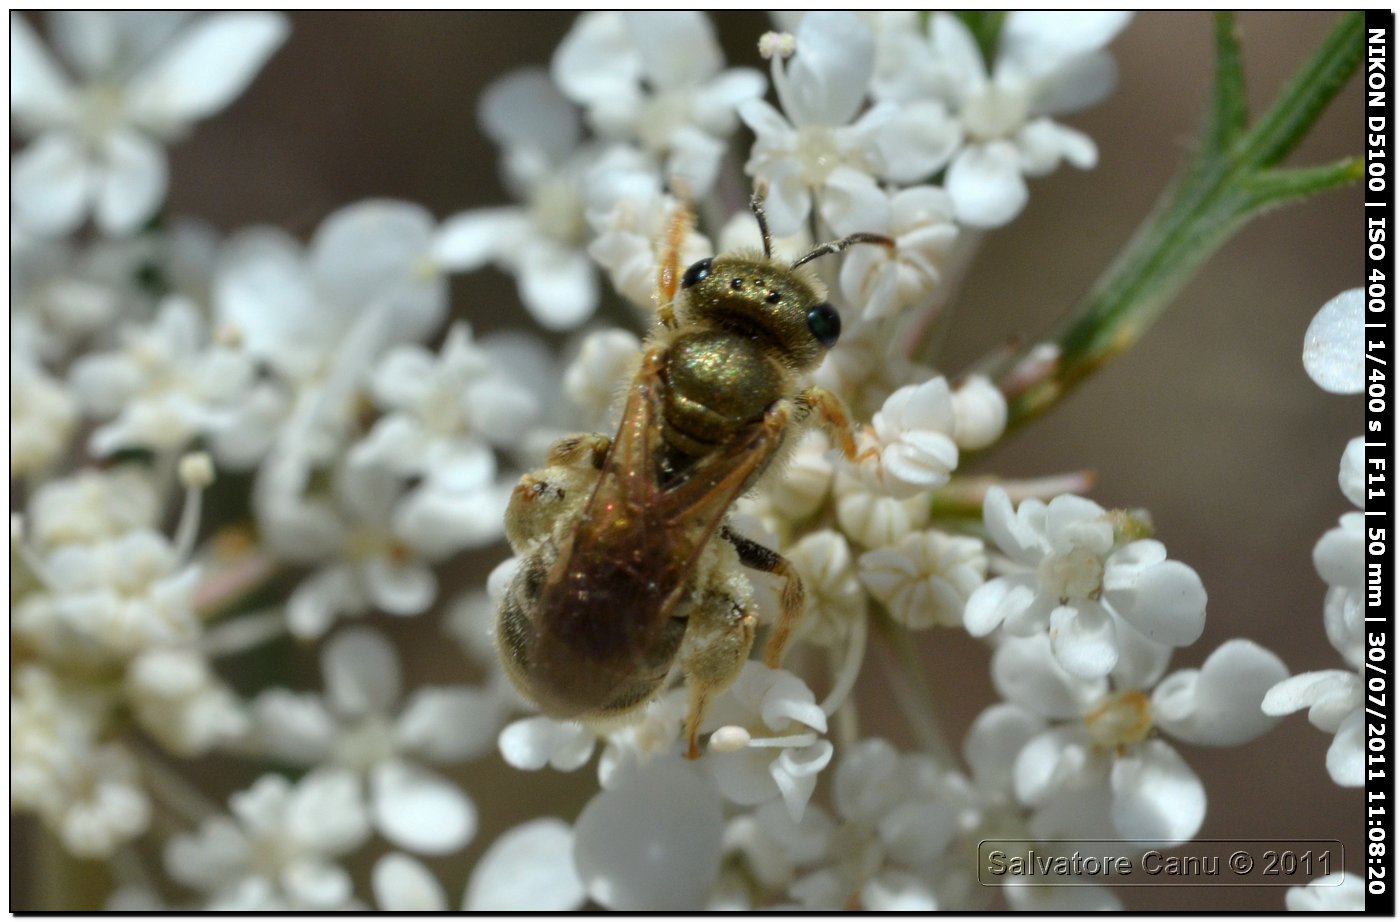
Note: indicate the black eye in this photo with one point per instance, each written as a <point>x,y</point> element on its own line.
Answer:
<point>824,323</point>
<point>696,273</point>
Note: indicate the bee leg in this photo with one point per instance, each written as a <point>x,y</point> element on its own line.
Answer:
<point>792,599</point>
<point>668,274</point>
<point>575,450</point>
<point>722,629</point>
<point>546,496</point>
<point>834,417</point>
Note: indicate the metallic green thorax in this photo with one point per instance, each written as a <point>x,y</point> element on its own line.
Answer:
<point>744,334</point>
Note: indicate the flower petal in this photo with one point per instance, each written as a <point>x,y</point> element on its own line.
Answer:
<point>1084,639</point>
<point>419,810</point>
<point>1164,601</point>
<point>50,182</point>
<point>205,67</point>
<point>449,724</point>
<point>131,184</point>
<point>361,670</point>
<point>40,94</point>
<point>986,185</point>
<point>1345,762</point>
<point>528,869</point>
<point>1156,795</point>
<point>652,842</point>
<point>402,884</point>
<point>1219,704</point>
<point>1333,352</point>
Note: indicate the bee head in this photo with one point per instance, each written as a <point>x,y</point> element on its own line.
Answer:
<point>765,298</point>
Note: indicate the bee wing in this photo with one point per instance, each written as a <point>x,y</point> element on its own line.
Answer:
<point>614,590</point>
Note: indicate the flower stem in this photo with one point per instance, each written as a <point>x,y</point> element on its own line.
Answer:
<point>911,691</point>
<point>1232,177</point>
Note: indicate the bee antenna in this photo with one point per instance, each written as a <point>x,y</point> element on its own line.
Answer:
<point>760,192</point>
<point>836,246</point>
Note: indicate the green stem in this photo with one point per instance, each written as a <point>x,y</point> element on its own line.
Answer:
<point>1230,179</point>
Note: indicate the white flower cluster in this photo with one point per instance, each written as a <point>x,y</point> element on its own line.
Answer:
<point>1332,355</point>
<point>224,446</point>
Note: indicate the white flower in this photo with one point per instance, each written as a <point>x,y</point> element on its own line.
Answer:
<point>1047,64</point>
<point>373,548</point>
<point>913,441</point>
<point>872,519</point>
<point>897,816</point>
<point>1098,771</point>
<point>632,219</point>
<point>444,415</point>
<point>125,594</point>
<point>1074,577</point>
<point>806,481</point>
<point>1334,697</point>
<point>822,89</point>
<point>177,699</point>
<point>318,318</point>
<point>528,869</point>
<point>277,851</point>
<point>63,295</point>
<point>866,367</point>
<point>1336,892</point>
<point>357,727</point>
<point>882,281</point>
<point>443,410</point>
<point>94,504</point>
<point>652,841</point>
<point>764,745</point>
<point>835,600</point>
<point>166,385</point>
<point>43,415</point>
<point>979,408</point>
<point>540,242</point>
<point>926,578</point>
<point>605,361</point>
<point>1334,351</point>
<point>655,77</point>
<point>144,78</point>
<point>531,743</point>
<point>88,793</point>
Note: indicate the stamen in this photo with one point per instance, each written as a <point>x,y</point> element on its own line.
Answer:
<point>245,632</point>
<point>794,740</point>
<point>196,474</point>
<point>729,738</point>
<point>776,45</point>
<point>850,667</point>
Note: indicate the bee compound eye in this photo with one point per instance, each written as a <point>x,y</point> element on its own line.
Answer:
<point>825,324</point>
<point>697,273</point>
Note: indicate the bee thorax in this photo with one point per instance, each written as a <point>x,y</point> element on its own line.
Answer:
<point>717,384</point>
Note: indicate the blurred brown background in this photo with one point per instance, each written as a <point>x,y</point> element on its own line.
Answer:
<point>1211,423</point>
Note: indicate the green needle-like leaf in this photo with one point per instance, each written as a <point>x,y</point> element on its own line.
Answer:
<point>1232,177</point>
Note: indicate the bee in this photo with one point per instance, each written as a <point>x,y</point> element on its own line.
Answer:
<point>620,576</point>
